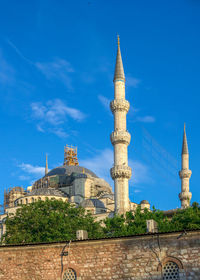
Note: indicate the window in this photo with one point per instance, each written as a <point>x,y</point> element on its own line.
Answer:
<point>69,274</point>
<point>170,271</point>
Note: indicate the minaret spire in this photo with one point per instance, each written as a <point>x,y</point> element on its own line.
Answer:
<point>120,139</point>
<point>119,69</point>
<point>46,167</point>
<point>185,173</point>
<point>185,145</point>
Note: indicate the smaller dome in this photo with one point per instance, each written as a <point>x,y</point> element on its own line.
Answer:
<point>144,202</point>
<point>93,203</point>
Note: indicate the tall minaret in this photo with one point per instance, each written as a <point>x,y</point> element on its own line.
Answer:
<point>120,139</point>
<point>185,195</point>
<point>46,167</point>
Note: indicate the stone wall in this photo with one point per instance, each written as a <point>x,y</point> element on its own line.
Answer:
<point>137,257</point>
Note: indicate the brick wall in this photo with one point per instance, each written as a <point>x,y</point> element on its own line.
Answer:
<point>137,257</point>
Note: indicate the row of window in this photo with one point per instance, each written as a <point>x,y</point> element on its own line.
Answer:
<point>26,201</point>
<point>170,272</point>
<point>29,200</point>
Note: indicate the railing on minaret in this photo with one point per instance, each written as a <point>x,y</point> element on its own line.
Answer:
<point>70,155</point>
<point>120,139</point>
<point>185,174</point>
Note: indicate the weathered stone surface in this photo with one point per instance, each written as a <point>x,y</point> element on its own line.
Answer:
<point>139,258</point>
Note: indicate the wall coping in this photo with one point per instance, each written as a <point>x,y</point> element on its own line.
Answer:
<point>146,236</point>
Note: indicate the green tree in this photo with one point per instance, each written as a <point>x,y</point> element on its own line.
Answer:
<point>188,218</point>
<point>47,221</point>
<point>135,223</point>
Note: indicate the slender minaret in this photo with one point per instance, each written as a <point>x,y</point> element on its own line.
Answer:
<point>46,167</point>
<point>185,173</point>
<point>120,139</point>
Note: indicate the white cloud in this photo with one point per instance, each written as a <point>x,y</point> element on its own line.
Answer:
<point>55,112</point>
<point>30,169</point>
<point>100,164</point>
<point>103,161</point>
<point>40,128</point>
<point>132,82</point>
<point>104,101</point>
<point>59,132</point>
<point>58,69</point>
<point>146,119</point>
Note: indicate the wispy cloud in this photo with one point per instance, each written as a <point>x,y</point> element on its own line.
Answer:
<point>105,102</point>
<point>146,119</point>
<point>103,161</point>
<point>7,72</point>
<point>132,81</point>
<point>59,132</point>
<point>53,114</point>
<point>31,169</point>
<point>19,53</point>
<point>100,164</point>
<point>58,69</point>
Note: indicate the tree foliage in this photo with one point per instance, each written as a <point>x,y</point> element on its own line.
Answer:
<point>54,220</point>
<point>135,223</point>
<point>47,221</point>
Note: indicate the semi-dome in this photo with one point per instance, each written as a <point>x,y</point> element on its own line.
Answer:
<point>92,202</point>
<point>69,169</point>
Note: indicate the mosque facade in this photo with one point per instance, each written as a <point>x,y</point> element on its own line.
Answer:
<point>82,187</point>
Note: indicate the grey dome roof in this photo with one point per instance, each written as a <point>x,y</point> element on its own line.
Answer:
<point>92,203</point>
<point>46,192</point>
<point>69,169</point>
<point>144,202</point>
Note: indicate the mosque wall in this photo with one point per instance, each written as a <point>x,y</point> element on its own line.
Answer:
<point>142,257</point>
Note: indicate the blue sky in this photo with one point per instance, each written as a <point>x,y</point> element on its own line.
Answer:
<point>56,70</point>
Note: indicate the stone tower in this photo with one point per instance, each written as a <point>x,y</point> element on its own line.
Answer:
<point>185,173</point>
<point>120,139</point>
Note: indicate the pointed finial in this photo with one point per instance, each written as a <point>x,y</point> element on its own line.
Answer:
<point>185,145</point>
<point>118,40</point>
<point>119,69</point>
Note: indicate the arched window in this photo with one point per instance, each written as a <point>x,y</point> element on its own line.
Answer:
<point>170,271</point>
<point>32,199</point>
<point>26,200</point>
<point>69,274</point>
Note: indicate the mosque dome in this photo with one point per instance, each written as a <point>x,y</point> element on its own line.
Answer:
<point>92,203</point>
<point>69,169</point>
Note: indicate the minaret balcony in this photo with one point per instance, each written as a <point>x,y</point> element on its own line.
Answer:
<point>120,171</point>
<point>185,196</point>
<point>119,105</point>
<point>120,136</point>
<point>185,173</point>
